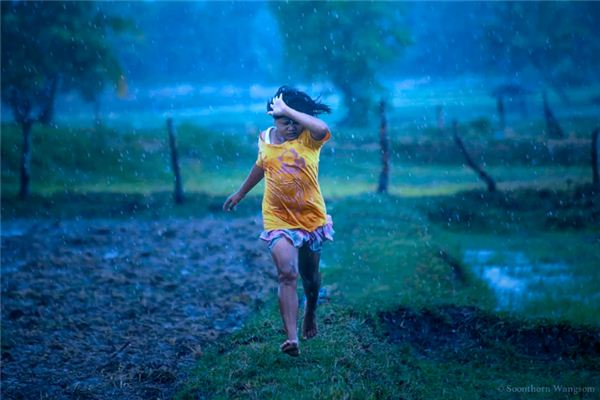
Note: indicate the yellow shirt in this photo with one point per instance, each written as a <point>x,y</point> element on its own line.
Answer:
<point>292,196</point>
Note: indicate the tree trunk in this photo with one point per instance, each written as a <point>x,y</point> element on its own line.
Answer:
<point>178,194</point>
<point>595,159</point>
<point>21,107</point>
<point>47,113</point>
<point>491,184</point>
<point>385,150</point>
<point>358,107</point>
<point>25,179</point>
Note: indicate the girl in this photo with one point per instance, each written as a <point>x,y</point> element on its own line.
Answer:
<point>294,215</point>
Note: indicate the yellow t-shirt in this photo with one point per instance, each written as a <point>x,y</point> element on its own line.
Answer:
<point>292,196</point>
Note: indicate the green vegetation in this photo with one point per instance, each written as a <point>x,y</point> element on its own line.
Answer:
<point>134,161</point>
<point>548,34</point>
<point>85,65</point>
<point>387,257</point>
<point>31,79</point>
<point>353,69</point>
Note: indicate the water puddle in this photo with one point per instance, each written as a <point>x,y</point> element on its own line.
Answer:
<point>517,281</point>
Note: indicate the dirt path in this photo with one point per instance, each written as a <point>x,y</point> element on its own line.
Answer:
<point>106,309</point>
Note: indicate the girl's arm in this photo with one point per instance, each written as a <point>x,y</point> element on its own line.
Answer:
<point>256,174</point>
<point>317,127</point>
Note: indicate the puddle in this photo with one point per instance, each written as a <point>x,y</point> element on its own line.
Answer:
<point>517,281</point>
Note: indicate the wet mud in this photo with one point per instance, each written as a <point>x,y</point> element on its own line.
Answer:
<point>106,309</point>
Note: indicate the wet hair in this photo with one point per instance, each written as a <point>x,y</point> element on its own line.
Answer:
<point>300,101</point>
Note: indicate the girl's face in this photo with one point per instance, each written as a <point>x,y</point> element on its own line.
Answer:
<point>288,128</point>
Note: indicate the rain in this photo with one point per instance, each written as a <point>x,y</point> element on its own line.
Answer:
<point>312,199</point>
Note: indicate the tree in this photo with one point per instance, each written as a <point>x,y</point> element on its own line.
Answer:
<point>49,47</point>
<point>181,39</point>
<point>555,42</point>
<point>344,42</point>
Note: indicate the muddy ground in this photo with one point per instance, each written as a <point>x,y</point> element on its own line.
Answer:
<point>459,331</point>
<point>107,309</point>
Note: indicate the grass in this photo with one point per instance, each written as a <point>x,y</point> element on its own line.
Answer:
<point>336,364</point>
<point>351,361</point>
<point>67,160</point>
<point>383,252</point>
<point>386,254</point>
<point>546,227</point>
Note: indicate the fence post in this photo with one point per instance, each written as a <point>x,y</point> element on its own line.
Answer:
<point>501,113</point>
<point>178,195</point>
<point>25,177</point>
<point>489,181</point>
<point>595,159</point>
<point>553,129</point>
<point>385,150</point>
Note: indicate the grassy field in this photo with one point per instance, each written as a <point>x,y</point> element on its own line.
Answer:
<point>396,254</point>
<point>104,160</point>
<point>385,256</point>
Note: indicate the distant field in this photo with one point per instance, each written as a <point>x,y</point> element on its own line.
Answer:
<point>79,160</point>
<point>412,104</point>
<point>218,127</point>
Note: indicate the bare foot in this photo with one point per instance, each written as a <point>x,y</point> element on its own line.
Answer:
<point>291,348</point>
<point>309,325</point>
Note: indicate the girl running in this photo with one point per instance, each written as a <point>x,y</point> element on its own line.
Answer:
<point>294,215</point>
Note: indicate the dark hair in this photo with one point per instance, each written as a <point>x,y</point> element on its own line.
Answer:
<point>300,101</point>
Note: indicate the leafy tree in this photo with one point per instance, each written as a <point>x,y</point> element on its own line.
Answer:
<point>344,42</point>
<point>185,45</point>
<point>49,47</point>
<point>556,42</point>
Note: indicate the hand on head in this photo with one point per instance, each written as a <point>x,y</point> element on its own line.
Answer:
<point>278,106</point>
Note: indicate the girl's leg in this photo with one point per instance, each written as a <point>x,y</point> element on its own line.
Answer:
<point>311,281</point>
<point>285,256</point>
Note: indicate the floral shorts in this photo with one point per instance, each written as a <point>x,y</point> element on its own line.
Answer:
<point>300,237</point>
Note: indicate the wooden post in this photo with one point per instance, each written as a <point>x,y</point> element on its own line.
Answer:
<point>501,112</point>
<point>178,195</point>
<point>25,177</point>
<point>595,159</point>
<point>491,184</point>
<point>553,129</point>
<point>385,150</point>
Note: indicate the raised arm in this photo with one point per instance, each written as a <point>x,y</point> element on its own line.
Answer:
<point>317,127</point>
<point>256,175</point>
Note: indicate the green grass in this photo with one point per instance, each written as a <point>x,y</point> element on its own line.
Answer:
<point>337,364</point>
<point>131,161</point>
<point>574,299</point>
<point>349,360</point>
<point>385,255</point>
